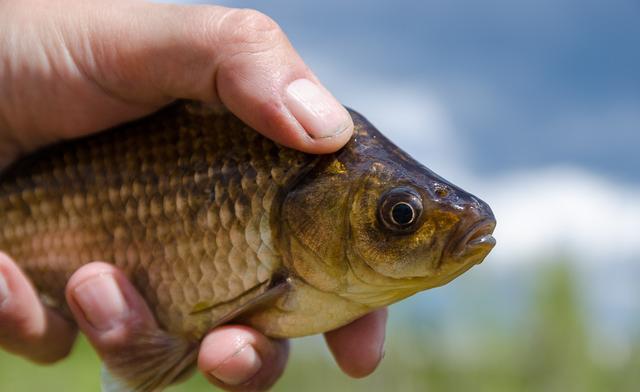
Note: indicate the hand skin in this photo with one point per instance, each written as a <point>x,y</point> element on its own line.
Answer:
<point>73,67</point>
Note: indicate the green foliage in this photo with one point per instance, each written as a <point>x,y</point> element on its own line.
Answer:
<point>546,346</point>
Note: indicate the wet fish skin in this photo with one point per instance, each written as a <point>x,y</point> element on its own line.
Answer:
<point>183,202</point>
<point>213,222</point>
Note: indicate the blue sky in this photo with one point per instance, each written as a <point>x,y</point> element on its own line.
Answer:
<point>527,83</point>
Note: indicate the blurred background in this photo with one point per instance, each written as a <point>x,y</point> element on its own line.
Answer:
<point>535,107</point>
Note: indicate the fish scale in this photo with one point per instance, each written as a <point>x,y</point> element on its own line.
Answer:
<point>179,203</point>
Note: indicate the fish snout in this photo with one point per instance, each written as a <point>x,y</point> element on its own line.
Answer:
<point>473,240</point>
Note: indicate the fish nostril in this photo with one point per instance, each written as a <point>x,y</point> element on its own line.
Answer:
<point>441,192</point>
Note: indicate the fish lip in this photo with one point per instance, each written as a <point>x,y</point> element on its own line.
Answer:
<point>479,235</point>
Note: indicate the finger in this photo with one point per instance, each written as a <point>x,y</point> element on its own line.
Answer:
<point>238,358</point>
<point>107,308</point>
<point>28,328</point>
<point>358,347</point>
<point>240,58</point>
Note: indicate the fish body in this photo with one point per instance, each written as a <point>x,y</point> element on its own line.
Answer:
<point>213,222</point>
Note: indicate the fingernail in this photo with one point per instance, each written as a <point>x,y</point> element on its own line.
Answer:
<point>4,289</point>
<point>319,113</point>
<point>101,301</point>
<point>239,367</point>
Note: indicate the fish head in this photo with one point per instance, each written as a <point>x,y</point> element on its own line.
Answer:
<point>374,226</point>
<point>410,224</point>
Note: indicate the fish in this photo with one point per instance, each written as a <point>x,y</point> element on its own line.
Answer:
<point>214,223</point>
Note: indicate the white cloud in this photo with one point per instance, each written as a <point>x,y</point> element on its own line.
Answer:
<point>564,210</point>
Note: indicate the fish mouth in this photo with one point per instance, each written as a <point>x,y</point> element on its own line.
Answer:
<point>476,242</point>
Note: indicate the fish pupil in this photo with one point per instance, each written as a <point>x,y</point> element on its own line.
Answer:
<point>402,214</point>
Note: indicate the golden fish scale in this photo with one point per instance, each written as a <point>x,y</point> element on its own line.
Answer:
<point>185,202</point>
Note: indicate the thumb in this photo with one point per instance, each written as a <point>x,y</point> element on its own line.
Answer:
<point>240,58</point>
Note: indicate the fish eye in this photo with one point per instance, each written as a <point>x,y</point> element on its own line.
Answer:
<point>399,209</point>
<point>402,214</point>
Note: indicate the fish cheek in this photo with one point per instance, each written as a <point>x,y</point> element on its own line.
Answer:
<point>391,254</point>
<point>314,228</point>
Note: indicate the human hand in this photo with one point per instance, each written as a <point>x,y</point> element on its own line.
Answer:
<point>70,67</point>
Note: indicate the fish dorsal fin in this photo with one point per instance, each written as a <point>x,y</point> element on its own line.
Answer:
<point>153,361</point>
<point>157,358</point>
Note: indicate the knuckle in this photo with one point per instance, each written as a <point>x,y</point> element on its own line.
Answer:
<point>254,24</point>
<point>18,334</point>
<point>250,29</point>
<point>25,328</point>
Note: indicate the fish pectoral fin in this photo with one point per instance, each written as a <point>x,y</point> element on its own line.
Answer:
<point>155,359</point>
<point>253,301</point>
<point>152,361</point>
